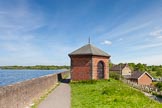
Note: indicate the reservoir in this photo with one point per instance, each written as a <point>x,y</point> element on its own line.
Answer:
<point>8,77</point>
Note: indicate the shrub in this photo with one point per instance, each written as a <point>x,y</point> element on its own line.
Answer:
<point>115,75</point>
<point>159,85</point>
<point>85,82</point>
<point>105,90</point>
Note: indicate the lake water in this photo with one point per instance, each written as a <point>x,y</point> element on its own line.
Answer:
<point>8,77</point>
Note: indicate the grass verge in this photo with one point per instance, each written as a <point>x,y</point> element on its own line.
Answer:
<point>44,96</point>
<point>108,94</point>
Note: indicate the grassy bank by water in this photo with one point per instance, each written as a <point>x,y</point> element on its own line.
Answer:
<point>108,94</point>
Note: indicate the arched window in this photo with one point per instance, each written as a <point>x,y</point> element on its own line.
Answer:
<point>100,70</point>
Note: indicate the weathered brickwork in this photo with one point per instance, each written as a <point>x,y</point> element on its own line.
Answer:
<point>89,62</point>
<point>144,80</point>
<point>21,94</point>
<point>84,67</point>
<point>96,60</point>
<point>81,67</point>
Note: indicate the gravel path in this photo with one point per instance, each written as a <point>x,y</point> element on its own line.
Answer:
<point>59,98</point>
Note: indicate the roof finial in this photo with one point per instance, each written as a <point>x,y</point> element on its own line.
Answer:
<point>89,41</point>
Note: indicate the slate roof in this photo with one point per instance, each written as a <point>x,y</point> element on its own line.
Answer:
<point>89,50</point>
<point>118,67</point>
<point>136,75</point>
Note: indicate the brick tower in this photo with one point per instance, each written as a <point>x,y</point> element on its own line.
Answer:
<point>89,62</point>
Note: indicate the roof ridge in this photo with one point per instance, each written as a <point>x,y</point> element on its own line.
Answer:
<point>90,48</point>
<point>148,74</point>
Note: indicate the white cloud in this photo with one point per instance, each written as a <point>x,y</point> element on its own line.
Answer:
<point>153,42</point>
<point>126,29</point>
<point>157,34</point>
<point>19,19</point>
<point>146,46</point>
<point>17,25</point>
<point>106,42</point>
<point>138,27</point>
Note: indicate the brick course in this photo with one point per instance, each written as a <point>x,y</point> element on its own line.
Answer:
<point>84,67</point>
<point>96,60</point>
<point>144,80</point>
<point>81,67</point>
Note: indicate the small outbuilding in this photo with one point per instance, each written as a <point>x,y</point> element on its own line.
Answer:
<point>89,62</point>
<point>141,78</point>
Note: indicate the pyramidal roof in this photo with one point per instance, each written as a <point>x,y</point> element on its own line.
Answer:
<point>89,50</point>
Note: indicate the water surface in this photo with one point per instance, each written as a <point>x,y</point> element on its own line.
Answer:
<point>8,77</point>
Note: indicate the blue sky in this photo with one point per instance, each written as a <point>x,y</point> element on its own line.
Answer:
<point>34,32</point>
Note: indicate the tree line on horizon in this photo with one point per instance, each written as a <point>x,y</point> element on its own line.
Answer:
<point>154,70</point>
<point>37,67</point>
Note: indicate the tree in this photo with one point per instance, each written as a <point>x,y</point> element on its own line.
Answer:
<point>141,67</point>
<point>132,66</point>
<point>110,64</point>
<point>154,68</point>
<point>159,85</point>
<point>159,72</point>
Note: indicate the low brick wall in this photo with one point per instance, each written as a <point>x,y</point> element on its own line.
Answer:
<point>22,94</point>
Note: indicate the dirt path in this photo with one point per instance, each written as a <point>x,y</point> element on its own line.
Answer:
<point>153,97</point>
<point>59,98</point>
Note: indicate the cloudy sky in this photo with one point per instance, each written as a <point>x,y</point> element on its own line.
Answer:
<point>43,32</point>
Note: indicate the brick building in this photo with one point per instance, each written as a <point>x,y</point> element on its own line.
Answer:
<point>141,78</point>
<point>89,62</point>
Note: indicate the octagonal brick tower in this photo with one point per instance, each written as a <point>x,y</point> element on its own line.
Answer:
<point>89,62</point>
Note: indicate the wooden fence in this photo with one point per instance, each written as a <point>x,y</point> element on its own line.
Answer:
<point>144,88</point>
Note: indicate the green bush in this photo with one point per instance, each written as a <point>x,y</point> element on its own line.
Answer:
<point>85,82</point>
<point>115,75</point>
<point>159,85</point>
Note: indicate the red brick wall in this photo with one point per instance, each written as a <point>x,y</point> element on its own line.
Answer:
<point>81,67</point>
<point>95,60</point>
<point>144,80</point>
<point>85,67</point>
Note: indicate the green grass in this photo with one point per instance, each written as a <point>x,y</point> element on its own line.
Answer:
<point>108,94</point>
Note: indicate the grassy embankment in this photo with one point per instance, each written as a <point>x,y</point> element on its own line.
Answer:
<point>109,94</point>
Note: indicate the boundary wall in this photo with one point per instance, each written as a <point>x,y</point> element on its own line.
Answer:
<point>21,94</point>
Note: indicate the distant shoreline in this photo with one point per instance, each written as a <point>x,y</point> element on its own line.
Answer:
<point>37,67</point>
